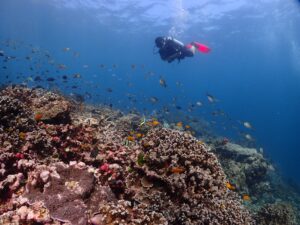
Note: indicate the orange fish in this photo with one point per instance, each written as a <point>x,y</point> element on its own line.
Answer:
<point>139,135</point>
<point>177,170</point>
<point>155,123</point>
<point>179,124</point>
<point>130,138</point>
<point>187,126</point>
<point>38,116</point>
<point>230,186</point>
<point>246,197</point>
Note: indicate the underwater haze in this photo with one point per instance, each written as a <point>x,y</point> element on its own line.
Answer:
<point>103,52</point>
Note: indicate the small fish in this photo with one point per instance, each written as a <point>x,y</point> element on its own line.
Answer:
<point>199,103</point>
<point>66,49</point>
<point>139,135</point>
<point>154,99</point>
<point>143,121</point>
<point>65,77</point>
<point>178,107</point>
<point>166,110</point>
<point>37,79</point>
<point>230,186</point>
<point>179,124</point>
<point>201,142</point>
<point>153,123</point>
<point>246,197</point>
<point>211,98</point>
<point>7,58</point>
<point>85,66</point>
<point>247,125</point>
<point>187,126</point>
<point>133,66</point>
<point>38,116</point>
<point>109,90</point>
<point>50,79</point>
<point>177,170</point>
<point>76,75</point>
<point>162,82</point>
<point>1,53</point>
<point>130,138</point>
<point>249,137</point>
<point>62,66</point>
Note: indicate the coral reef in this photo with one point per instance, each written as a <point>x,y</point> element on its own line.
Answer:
<point>122,212</point>
<point>245,167</point>
<point>276,214</point>
<point>61,189</point>
<point>62,163</point>
<point>180,178</point>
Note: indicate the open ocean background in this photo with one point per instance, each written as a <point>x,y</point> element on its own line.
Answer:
<point>253,69</point>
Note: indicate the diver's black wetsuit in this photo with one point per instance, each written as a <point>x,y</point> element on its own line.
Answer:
<point>171,49</point>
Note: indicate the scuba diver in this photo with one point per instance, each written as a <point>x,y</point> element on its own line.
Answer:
<point>171,49</point>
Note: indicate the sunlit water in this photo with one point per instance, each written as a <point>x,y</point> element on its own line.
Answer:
<point>253,69</point>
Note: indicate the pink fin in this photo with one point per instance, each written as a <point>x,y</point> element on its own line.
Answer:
<point>201,47</point>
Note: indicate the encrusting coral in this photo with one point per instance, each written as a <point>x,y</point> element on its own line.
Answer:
<point>276,214</point>
<point>180,178</point>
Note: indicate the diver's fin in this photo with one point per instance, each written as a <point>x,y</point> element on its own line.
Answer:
<point>201,47</point>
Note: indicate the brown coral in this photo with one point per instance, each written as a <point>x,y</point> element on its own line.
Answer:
<point>123,212</point>
<point>276,214</point>
<point>198,195</point>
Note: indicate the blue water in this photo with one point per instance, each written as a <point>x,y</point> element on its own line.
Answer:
<point>253,68</point>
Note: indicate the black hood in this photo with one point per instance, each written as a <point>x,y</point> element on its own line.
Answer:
<point>160,42</point>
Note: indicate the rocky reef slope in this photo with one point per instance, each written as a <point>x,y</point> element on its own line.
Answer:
<point>62,163</point>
